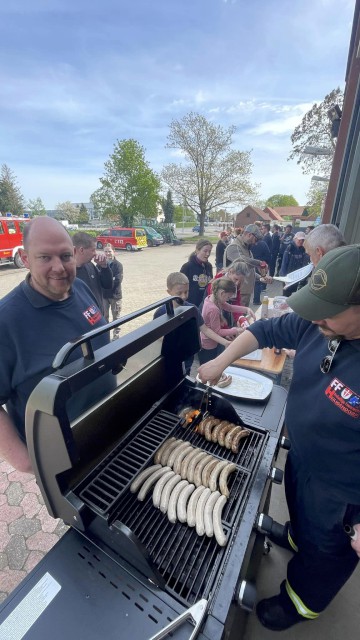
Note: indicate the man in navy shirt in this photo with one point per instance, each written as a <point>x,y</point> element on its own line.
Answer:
<point>37,318</point>
<point>322,475</point>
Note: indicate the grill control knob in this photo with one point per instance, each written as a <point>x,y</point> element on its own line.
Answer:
<point>266,524</point>
<point>285,443</point>
<point>276,475</point>
<point>247,595</point>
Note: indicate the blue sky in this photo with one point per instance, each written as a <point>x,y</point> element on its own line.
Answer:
<point>77,76</point>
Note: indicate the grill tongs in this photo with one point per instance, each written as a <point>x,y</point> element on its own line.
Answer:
<point>195,614</point>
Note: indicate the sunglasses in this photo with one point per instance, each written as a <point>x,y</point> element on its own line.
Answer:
<point>326,362</point>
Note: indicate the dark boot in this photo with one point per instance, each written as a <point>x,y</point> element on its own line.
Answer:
<point>278,613</point>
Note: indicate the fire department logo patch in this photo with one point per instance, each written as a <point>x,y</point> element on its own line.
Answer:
<point>92,314</point>
<point>318,280</point>
<point>344,398</point>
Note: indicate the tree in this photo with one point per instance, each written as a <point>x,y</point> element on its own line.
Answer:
<point>67,211</point>
<point>36,207</point>
<point>11,198</point>
<point>280,200</point>
<point>129,188</point>
<point>82,214</point>
<point>213,174</point>
<point>168,207</point>
<point>315,199</point>
<point>315,131</point>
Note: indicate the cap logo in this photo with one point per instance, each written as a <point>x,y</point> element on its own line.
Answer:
<point>318,280</point>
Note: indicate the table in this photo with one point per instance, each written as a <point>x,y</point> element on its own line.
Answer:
<point>271,364</point>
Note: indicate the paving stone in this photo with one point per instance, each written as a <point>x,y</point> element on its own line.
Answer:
<point>33,559</point>
<point>31,486</point>
<point>9,579</point>
<point>16,552</point>
<point>25,527</point>
<point>3,597</point>
<point>41,541</point>
<point>18,476</point>
<point>9,514</point>
<point>4,535</point>
<point>14,493</point>
<point>6,467</point>
<point>48,523</point>
<point>4,482</point>
<point>61,528</point>
<point>3,561</point>
<point>30,505</point>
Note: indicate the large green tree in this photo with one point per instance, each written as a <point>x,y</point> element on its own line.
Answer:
<point>129,188</point>
<point>82,214</point>
<point>36,207</point>
<point>281,200</point>
<point>11,198</point>
<point>315,198</point>
<point>213,174</point>
<point>315,131</point>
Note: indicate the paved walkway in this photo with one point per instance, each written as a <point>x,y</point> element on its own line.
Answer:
<point>27,532</point>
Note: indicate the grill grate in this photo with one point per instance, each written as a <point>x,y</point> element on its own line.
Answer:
<point>102,489</point>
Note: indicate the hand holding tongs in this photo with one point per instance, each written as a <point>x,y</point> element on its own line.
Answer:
<point>205,397</point>
<point>196,613</point>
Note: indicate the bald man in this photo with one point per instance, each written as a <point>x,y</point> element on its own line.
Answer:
<point>37,318</point>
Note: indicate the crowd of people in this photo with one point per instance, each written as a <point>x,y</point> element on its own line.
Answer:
<point>71,289</point>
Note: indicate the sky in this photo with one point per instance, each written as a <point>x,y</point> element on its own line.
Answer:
<point>76,76</point>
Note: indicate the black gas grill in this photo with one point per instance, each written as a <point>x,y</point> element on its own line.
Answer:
<point>142,571</point>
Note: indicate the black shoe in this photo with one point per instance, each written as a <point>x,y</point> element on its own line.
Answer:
<point>274,615</point>
<point>280,536</point>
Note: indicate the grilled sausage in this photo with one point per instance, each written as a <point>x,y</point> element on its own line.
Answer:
<point>191,508</point>
<point>166,492</point>
<point>185,463</point>
<point>166,453</point>
<point>207,471</point>
<point>217,513</point>
<point>208,513</point>
<point>200,455</point>
<point>159,487</point>
<point>183,500</point>
<point>224,475</point>
<point>209,427</point>
<point>175,452</point>
<point>200,507</point>
<point>137,482</point>
<point>150,481</point>
<point>201,426</point>
<point>173,500</point>
<point>224,381</point>
<point>182,452</point>
<point>199,469</point>
<point>215,474</point>
<point>160,451</point>
<point>229,436</point>
<point>215,431</point>
<point>222,433</point>
<point>237,439</point>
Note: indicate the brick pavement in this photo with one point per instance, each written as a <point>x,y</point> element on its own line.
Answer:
<point>27,532</point>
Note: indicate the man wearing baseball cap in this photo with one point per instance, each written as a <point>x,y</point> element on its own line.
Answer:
<point>322,475</point>
<point>241,248</point>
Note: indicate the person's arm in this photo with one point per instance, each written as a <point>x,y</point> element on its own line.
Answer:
<point>12,449</point>
<point>244,344</point>
<point>209,333</point>
<point>234,308</point>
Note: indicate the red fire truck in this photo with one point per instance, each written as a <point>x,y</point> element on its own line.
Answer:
<point>11,238</point>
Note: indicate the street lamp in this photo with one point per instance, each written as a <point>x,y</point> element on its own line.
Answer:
<point>318,151</point>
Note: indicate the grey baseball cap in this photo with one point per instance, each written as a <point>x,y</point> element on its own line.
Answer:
<point>334,285</point>
<point>254,229</point>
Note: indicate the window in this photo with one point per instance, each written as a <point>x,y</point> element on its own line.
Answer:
<point>2,230</point>
<point>125,233</point>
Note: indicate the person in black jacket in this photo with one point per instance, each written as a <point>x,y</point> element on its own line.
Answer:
<point>294,258</point>
<point>199,271</point>
<point>220,250</point>
<point>97,276</point>
<point>285,240</point>
<point>265,230</point>
<point>113,296</point>
<point>275,248</point>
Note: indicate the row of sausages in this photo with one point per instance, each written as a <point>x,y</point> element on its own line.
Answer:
<point>180,500</point>
<point>225,433</point>
<point>195,465</point>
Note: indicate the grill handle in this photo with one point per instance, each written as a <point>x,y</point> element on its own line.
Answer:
<point>196,614</point>
<point>84,341</point>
